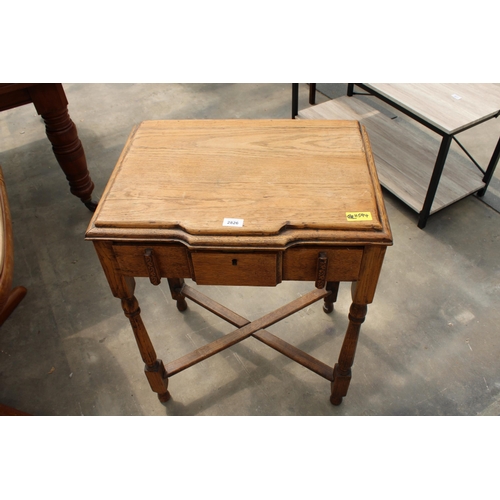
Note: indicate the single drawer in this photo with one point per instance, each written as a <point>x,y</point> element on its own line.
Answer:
<point>170,261</point>
<point>301,264</point>
<point>237,269</point>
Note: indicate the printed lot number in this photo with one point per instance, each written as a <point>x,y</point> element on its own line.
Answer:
<point>228,222</point>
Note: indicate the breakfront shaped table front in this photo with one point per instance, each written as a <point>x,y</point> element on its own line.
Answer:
<point>244,203</point>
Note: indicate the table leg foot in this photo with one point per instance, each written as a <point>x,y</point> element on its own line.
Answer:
<point>176,285</point>
<point>340,385</point>
<point>90,204</point>
<point>158,379</point>
<point>164,397</point>
<point>336,401</point>
<point>182,305</point>
<point>327,308</point>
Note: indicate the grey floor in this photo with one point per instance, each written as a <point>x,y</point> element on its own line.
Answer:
<point>430,344</point>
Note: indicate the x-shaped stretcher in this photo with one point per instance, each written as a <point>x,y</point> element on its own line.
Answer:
<point>338,376</point>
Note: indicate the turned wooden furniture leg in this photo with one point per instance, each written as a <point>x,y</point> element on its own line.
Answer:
<point>51,103</point>
<point>123,287</point>
<point>176,285</point>
<point>362,293</point>
<point>342,369</point>
<point>331,286</point>
<point>69,153</point>
<point>154,368</point>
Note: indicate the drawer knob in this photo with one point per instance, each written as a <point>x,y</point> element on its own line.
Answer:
<point>321,270</point>
<point>152,267</point>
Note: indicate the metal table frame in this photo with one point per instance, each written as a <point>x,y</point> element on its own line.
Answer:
<point>443,149</point>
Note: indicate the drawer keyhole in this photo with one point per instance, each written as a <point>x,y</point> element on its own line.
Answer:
<point>235,262</point>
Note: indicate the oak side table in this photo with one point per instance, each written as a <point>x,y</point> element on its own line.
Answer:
<point>244,203</point>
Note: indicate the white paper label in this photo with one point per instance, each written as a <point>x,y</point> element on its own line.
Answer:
<point>455,96</point>
<point>232,222</point>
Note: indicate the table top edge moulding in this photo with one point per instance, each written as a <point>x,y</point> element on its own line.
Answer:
<point>122,220</point>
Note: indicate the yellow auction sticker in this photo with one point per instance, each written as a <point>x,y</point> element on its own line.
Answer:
<point>355,216</point>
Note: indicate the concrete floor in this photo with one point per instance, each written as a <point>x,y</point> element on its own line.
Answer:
<point>430,344</point>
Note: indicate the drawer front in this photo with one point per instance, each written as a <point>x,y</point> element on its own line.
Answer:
<point>237,269</point>
<point>171,261</point>
<point>300,264</point>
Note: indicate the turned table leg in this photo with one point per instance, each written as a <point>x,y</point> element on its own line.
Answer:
<point>123,287</point>
<point>342,370</point>
<point>154,368</point>
<point>69,153</point>
<point>51,103</point>
<point>362,292</point>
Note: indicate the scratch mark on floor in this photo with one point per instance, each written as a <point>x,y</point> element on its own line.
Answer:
<point>241,363</point>
<point>430,397</point>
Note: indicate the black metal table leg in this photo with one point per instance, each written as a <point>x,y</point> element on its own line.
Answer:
<point>491,169</point>
<point>295,100</point>
<point>312,93</point>
<point>434,182</point>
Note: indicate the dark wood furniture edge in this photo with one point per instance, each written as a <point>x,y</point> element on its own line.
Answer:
<point>51,104</point>
<point>9,298</point>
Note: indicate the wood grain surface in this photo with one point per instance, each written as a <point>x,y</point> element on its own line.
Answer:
<point>448,106</point>
<point>189,175</point>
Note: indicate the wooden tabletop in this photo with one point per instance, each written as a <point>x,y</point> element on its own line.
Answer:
<point>272,176</point>
<point>448,106</point>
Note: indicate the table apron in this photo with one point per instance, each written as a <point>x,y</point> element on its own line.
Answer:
<point>236,268</point>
